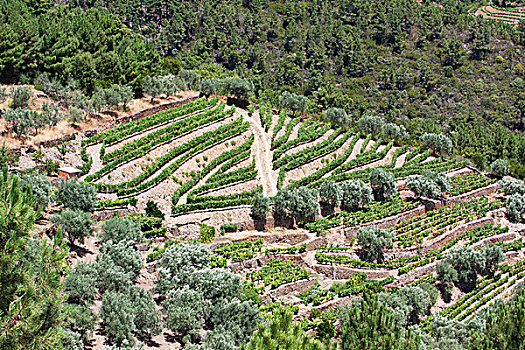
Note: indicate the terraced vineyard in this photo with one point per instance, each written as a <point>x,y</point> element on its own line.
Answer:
<point>204,161</point>
<point>512,15</point>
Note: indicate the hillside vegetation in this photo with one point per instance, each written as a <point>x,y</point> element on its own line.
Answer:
<point>262,175</point>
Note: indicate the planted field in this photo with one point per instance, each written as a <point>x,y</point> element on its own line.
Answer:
<point>204,161</point>
<point>512,15</point>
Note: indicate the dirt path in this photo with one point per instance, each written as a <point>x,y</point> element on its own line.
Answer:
<point>263,156</point>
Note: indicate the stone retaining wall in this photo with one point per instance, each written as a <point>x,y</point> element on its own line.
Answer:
<point>289,288</point>
<point>338,272</point>
<point>154,110</point>
<point>351,232</point>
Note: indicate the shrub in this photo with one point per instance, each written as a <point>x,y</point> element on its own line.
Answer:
<point>500,168</point>
<point>207,233</point>
<point>21,97</point>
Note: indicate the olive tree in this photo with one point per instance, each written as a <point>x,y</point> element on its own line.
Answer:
<point>118,229</point>
<point>515,207</point>
<point>241,88</point>
<point>337,116</point>
<point>439,143</point>
<point>356,194</point>
<point>118,264</point>
<point>178,263</point>
<point>447,276</point>
<point>22,120</point>
<point>211,86</point>
<point>392,131</point>
<point>21,97</point>
<point>128,311</point>
<point>40,187</point>
<point>370,123</point>
<point>500,168</point>
<point>260,206</point>
<point>408,304</point>
<point>296,204</point>
<point>330,193</point>
<point>191,78</point>
<point>469,263</point>
<point>203,298</point>
<point>73,194</point>
<point>293,102</point>
<point>153,86</point>
<point>373,242</point>
<point>382,182</point>
<point>431,184</point>
<point>76,223</point>
<point>512,186</point>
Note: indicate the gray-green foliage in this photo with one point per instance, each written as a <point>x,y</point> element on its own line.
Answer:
<point>423,186</point>
<point>469,263</point>
<point>430,184</point>
<point>178,263</point>
<point>293,102</point>
<point>40,187</point>
<point>76,195</point>
<point>211,86</point>
<point>512,186</point>
<point>370,123</point>
<point>515,207</point>
<point>300,203</point>
<point>330,193</point>
<point>337,116</point>
<point>260,206</point>
<point>118,265</point>
<point>408,304</point>
<point>393,131</point>
<point>22,120</point>
<point>356,194</point>
<point>373,242</point>
<point>440,143</point>
<point>382,182</point>
<point>76,223</point>
<point>241,88</point>
<point>191,78</point>
<point>200,297</point>
<point>124,312</point>
<point>81,284</point>
<point>153,86</point>
<point>500,167</point>
<point>21,97</point>
<point>118,229</point>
